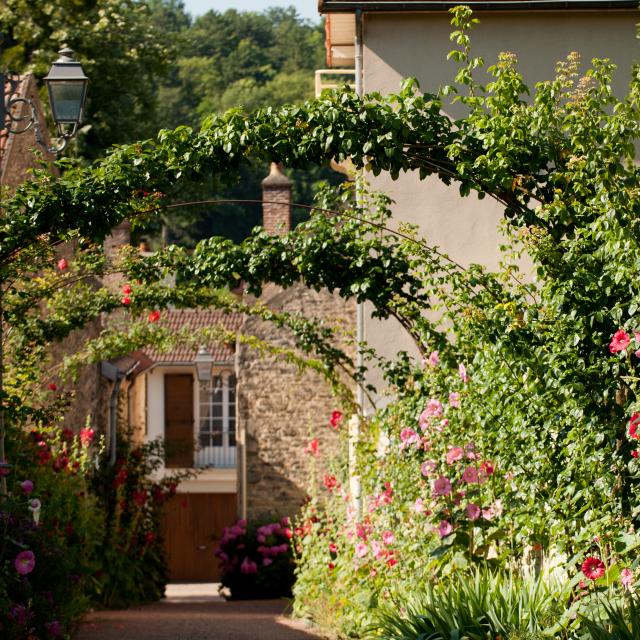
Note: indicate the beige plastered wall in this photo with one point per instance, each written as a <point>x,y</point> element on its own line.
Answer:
<point>416,45</point>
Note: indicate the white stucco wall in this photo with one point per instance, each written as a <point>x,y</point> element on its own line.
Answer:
<point>415,45</point>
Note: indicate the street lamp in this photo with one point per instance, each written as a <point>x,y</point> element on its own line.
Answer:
<point>67,87</point>
<point>203,362</point>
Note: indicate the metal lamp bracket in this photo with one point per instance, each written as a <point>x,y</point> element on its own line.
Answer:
<point>20,124</point>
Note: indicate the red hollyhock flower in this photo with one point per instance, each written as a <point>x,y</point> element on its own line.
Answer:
<point>335,419</point>
<point>330,481</point>
<point>126,289</point>
<point>593,568</point>
<point>634,423</point>
<point>312,447</point>
<point>126,300</point>
<point>52,386</point>
<point>620,341</point>
<point>634,453</point>
<point>154,316</point>
<point>62,264</point>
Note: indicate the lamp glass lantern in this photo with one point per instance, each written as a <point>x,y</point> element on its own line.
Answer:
<point>204,363</point>
<point>67,87</point>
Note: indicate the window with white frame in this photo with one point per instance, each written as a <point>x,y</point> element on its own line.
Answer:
<point>217,421</point>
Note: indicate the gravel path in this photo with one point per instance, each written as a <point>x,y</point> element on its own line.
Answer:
<point>194,612</point>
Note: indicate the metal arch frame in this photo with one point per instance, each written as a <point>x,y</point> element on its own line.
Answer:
<point>7,118</point>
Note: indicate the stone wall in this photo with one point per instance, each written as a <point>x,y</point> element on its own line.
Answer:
<point>280,410</point>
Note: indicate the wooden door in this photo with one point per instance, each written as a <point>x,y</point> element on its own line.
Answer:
<point>192,527</point>
<point>178,420</point>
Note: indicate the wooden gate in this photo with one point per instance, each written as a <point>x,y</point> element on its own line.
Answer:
<point>192,527</point>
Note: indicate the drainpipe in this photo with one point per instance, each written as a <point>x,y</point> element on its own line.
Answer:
<point>354,426</point>
<point>111,372</point>
<point>241,435</point>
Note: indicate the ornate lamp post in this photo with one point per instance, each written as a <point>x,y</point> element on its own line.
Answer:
<point>67,86</point>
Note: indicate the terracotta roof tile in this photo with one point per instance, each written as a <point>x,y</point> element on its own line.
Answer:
<point>195,319</point>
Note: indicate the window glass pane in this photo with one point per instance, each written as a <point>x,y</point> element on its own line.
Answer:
<point>216,437</point>
<point>216,392</point>
<point>204,439</point>
<point>216,411</point>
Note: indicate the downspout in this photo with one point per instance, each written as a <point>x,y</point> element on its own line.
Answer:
<point>113,415</point>
<point>111,372</point>
<point>354,425</point>
<point>242,435</point>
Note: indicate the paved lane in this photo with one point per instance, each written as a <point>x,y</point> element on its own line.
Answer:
<point>194,612</point>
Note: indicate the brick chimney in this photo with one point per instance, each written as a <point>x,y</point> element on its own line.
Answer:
<point>276,205</point>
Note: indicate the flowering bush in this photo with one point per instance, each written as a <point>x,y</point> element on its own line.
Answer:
<point>132,566</point>
<point>256,561</point>
<point>50,528</point>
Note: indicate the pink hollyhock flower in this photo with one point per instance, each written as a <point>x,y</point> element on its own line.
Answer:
<point>593,568</point>
<point>25,562</point>
<point>470,475</point>
<point>434,408</point>
<point>154,316</point>
<point>312,447</point>
<point>333,548</point>
<point>441,487</point>
<point>408,437</point>
<point>619,341</point>
<point>428,467</point>
<point>86,436</point>
<point>266,562</point>
<point>454,400</point>
<point>361,550</point>
<point>492,511</point>
<point>418,505</point>
<point>54,628</point>
<point>388,537</point>
<point>454,454</point>
<point>62,264</point>
<point>445,529</point>
<point>462,372</point>
<point>434,359</point>
<point>626,578</point>
<point>26,486</point>
<point>376,549</point>
<point>424,420</point>
<point>248,567</point>
<point>335,419</point>
<point>634,423</point>
<point>473,511</point>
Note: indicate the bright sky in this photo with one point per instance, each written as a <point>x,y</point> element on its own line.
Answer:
<point>306,8</point>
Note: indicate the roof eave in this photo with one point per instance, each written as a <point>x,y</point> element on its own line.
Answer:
<point>347,6</point>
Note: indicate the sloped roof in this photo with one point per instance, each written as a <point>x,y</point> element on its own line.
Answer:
<point>338,6</point>
<point>195,319</point>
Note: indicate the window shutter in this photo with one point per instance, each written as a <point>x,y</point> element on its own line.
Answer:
<point>178,420</point>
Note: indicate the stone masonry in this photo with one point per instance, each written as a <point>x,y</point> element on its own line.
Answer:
<point>281,409</point>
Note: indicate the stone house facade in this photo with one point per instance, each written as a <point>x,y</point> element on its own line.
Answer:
<point>245,430</point>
